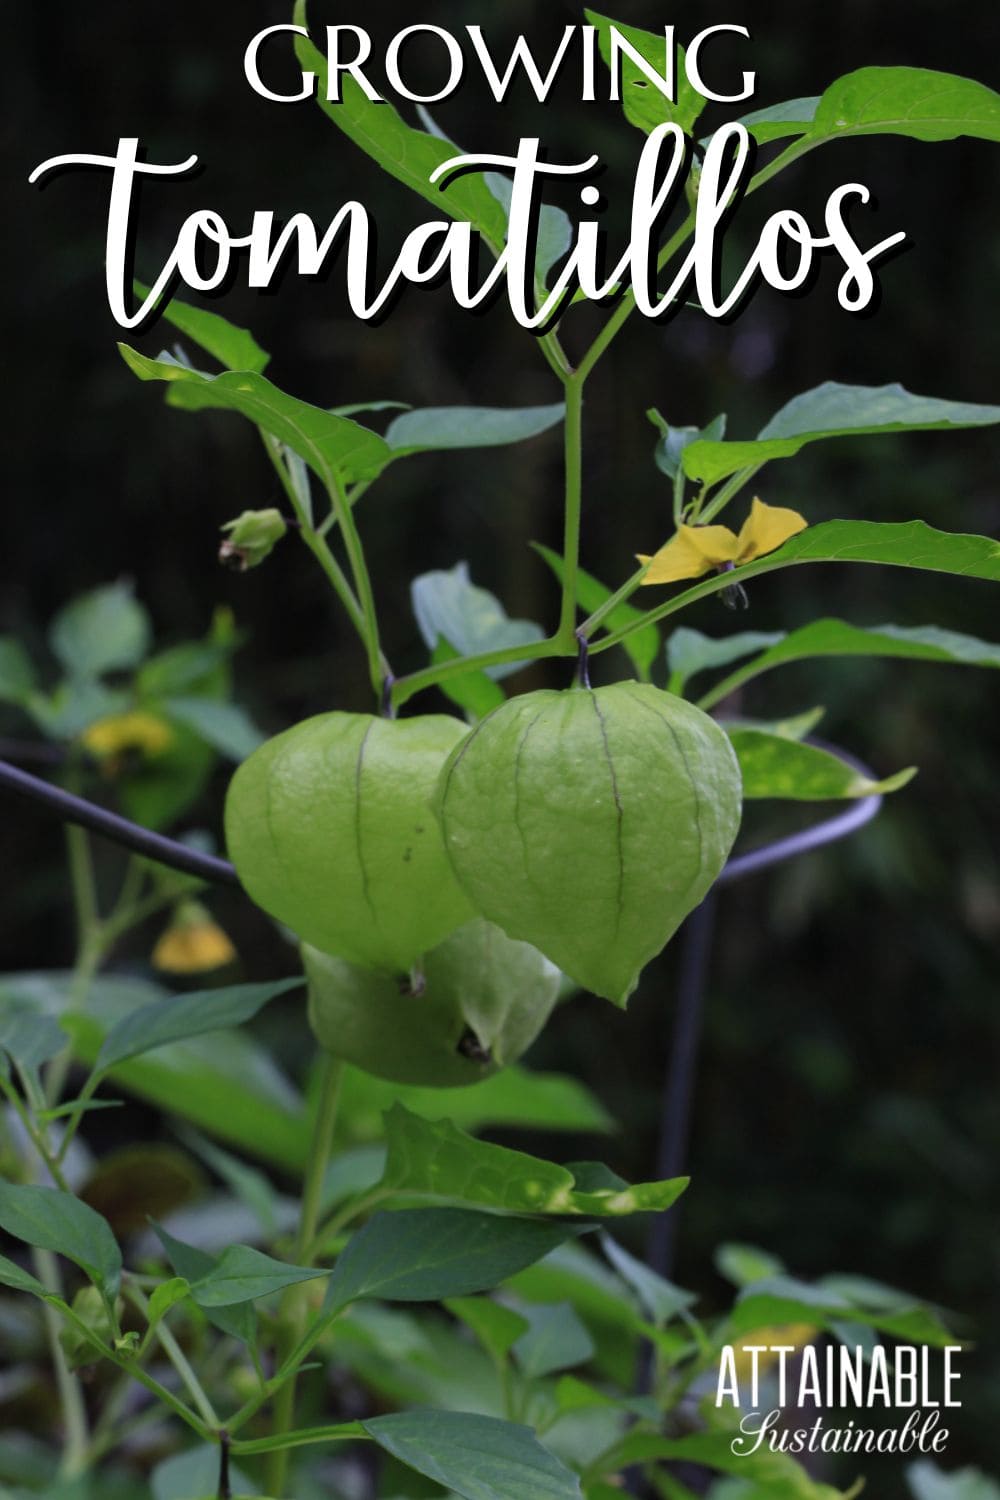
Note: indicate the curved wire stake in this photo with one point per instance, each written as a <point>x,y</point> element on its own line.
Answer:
<point>72,809</point>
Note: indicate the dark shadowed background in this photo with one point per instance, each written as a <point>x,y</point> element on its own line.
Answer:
<point>847,1115</point>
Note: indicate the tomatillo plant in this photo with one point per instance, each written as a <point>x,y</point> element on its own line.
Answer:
<point>446,876</point>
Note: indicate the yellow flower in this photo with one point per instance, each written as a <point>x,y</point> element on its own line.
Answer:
<point>698,549</point>
<point>193,943</point>
<point>121,734</point>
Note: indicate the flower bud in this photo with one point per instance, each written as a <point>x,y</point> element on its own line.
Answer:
<point>252,537</point>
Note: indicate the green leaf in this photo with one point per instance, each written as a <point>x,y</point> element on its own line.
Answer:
<point>776,121</point>
<point>166,1296</point>
<point>515,1096</point>
<point>191,667</point>
<point>475,694</point>
<point>234,347</point>
<point>239,1320</point>
<point>497,1328</point>
<point>779,1300</point>
<point>772,765</point>
<point>436,428</point>
<point>194,1474</point>
<point>661,1299</point>
<point>449,606</point>
<point>794,727</point>
<point>338,450</point>
<point>224,726</point>
<point>643,104</point>
<point>772,1473</point>
<point>673,440</point>
<point>479,1458</point>
<point>17,675</point>
<point>29,1038</point>
<point>643,646</point>
<point>743,1264</point>
<point>183,1016</point>
<point>833,410</point>
<point>74,705</point>
<point>928,1482</point>
<point>555,1340</point>
<point>106,630</point>
<point>243,1274</point>
<point>438,1161</point>
<point>916,102</point>
<point>690,652</point>
<point>411,156</point>
<point>424,1254</point>
<point>838,638</point>
<point>50,1219</point>
<point>21,1281</point>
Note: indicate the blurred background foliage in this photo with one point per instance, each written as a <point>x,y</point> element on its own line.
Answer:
<point>847,1114</point>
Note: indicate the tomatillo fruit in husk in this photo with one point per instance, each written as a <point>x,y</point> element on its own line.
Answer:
<point>591,822</point>
<point>331,831</point>
<point>479,1002</point>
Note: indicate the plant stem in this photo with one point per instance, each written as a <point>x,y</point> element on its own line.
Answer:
<point>592,622</point>
<point>74,1412</point>
<point>326,1236</point>
<point>294,1304</point>
<point>720,500</point>
<point>404,688</point>
<point>178,1359</point>
<point>566,634</point>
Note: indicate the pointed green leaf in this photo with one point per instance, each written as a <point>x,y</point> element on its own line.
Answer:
<point>660,1298</point>
<point>225,726</point>
<point>166,1296</point>
<point>234,347</point>
<point>555,1340</point>
<point>774,1474</point>
<point>743,1264</point>
<point>916,102</point>
<point>239,1320</point>
<point>780,1299</point>
<point>479,1458</point>
<point>21,1281</point>
<point>411,156</point>
<point>182,1016</point>
<point>673,440</point>
<point>833,410</point>
<point>335,448</point>
<point>49,1219</point>
<point>643,104</point>
<point>497,1327</point>
<point>436,428</point>
<point>689,651</point>
<point>424,1254</point>
<point>436,1160</point>
<point>17,675</point>
<point>106,630</point>
<point>643,647</point>
<point>28,1037</point>
<point>515,1096</point>
<point>450,607</point>
<point>774,766</point>
<point>838,638</point>
<point>226,1083</point>
<point>776,121</point>
<point>242,1274</point>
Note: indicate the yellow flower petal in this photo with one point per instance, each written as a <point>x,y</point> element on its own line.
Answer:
<point>120,733</point>
<point>692,552</point>
<point>766,529</point>
<point>193,943</point>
